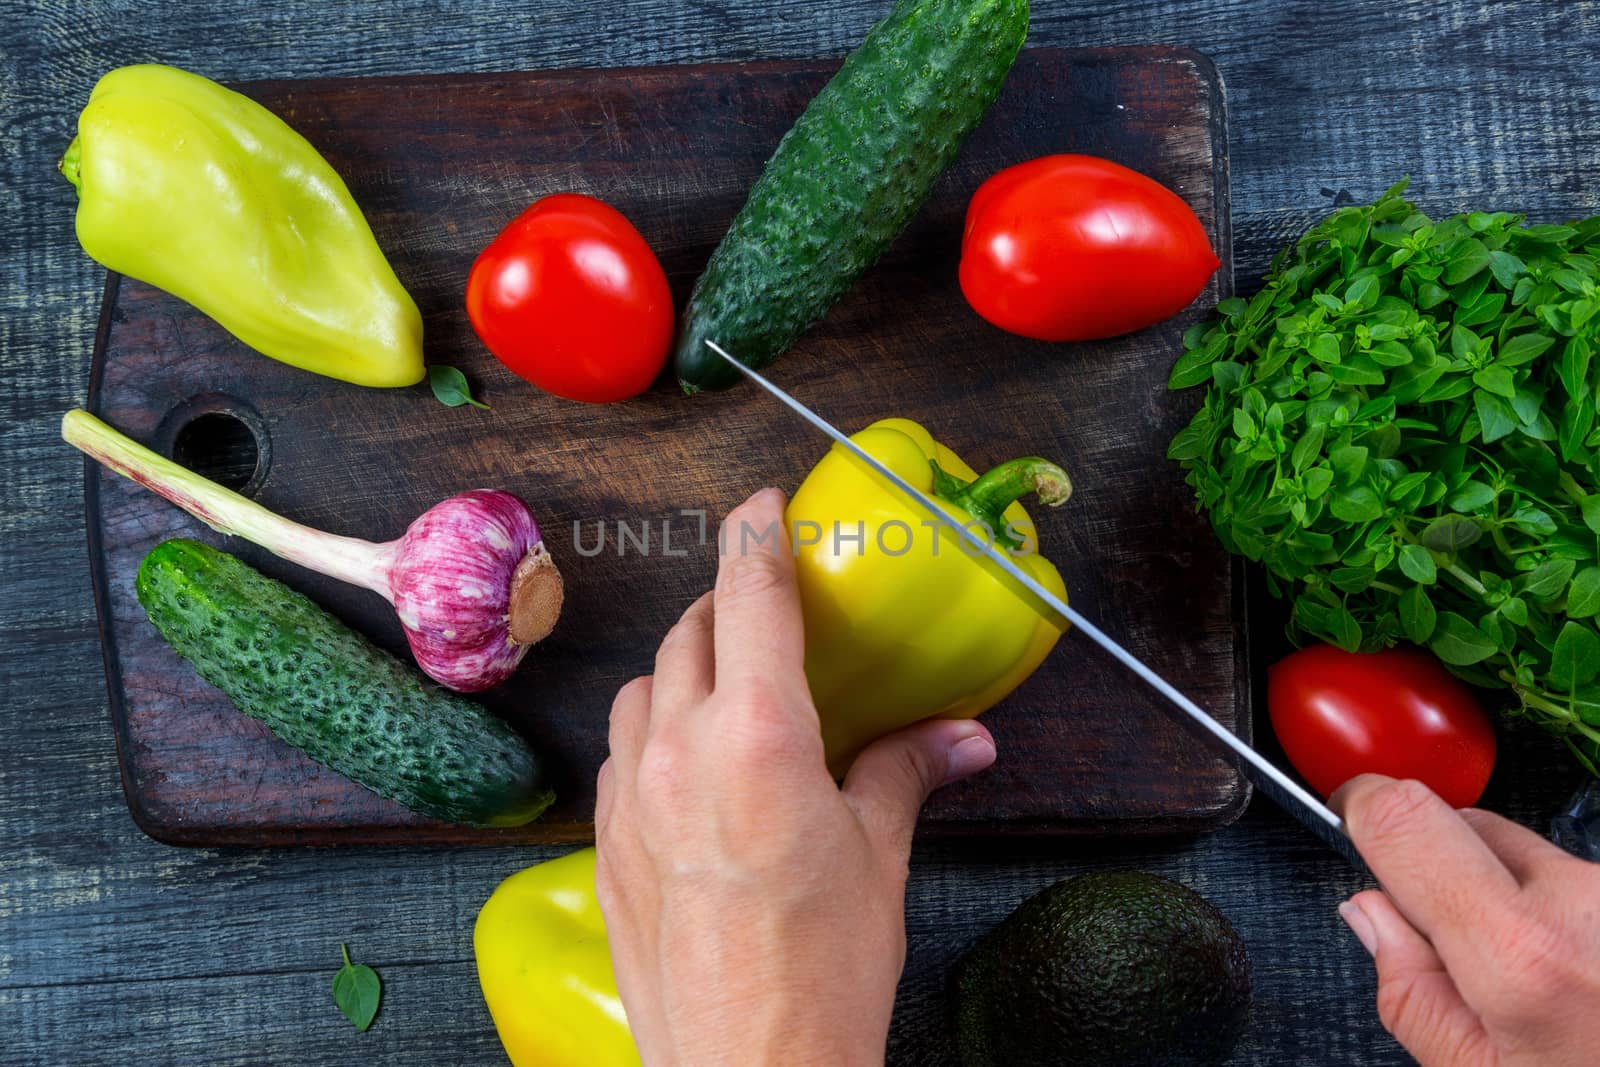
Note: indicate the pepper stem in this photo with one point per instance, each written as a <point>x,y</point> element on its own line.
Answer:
<point>348,559</point>
<point>987,497</point>
<point>71,165</point>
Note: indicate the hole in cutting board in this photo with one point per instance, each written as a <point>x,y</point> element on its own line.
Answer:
<point>220,438</point>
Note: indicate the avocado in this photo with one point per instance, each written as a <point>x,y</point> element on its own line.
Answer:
<point>1118,967</point>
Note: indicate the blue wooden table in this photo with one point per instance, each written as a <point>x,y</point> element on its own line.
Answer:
<point>118,950</point>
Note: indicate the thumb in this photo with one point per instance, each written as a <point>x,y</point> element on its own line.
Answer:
<point>889,781</point>
<point>1417,1000</point>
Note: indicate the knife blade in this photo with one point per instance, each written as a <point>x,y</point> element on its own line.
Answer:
<point>1277,786</point>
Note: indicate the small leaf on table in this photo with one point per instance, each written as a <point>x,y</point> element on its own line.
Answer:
<point>356,990</point>
<point>450,387</point>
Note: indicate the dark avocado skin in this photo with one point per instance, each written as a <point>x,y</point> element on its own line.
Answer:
<point>846,179</point>
<point>326,690</point>
<point>1119,968</point>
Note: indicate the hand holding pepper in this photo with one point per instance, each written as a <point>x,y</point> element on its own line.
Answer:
<point>755,909</point>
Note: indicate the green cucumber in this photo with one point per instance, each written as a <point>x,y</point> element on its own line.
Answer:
<point>326,690</point>
<point>846,179</point>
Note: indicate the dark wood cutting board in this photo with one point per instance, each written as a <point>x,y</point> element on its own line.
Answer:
<point>440,164</point>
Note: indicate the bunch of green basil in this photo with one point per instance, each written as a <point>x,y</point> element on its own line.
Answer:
<point>1401,427</point>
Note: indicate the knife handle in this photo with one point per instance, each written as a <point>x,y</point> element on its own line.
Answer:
<point>1577,827</point>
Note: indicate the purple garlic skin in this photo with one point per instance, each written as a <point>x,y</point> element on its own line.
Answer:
<point>451,584</point>
<point>471,580</point>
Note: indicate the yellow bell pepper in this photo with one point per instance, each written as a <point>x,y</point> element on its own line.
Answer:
<point>904,621</point>
<point>545,969</point>
<point>203,192</point>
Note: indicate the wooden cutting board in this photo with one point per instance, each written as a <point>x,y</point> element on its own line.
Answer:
<point>440,164</point>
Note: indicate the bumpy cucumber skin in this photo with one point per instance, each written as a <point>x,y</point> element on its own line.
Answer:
<point>326,690</point>
<point>846,179</point>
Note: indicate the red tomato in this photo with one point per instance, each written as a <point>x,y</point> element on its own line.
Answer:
<point>1397,712</point>
<point>571,298</point>
<point>1074,248</point>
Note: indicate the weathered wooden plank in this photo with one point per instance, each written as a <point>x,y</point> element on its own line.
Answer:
<point>1488,105</point>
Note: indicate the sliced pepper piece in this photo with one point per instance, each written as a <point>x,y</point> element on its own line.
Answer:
<point>201,191</point>
<point>904,621</point>
<point>545,969</point>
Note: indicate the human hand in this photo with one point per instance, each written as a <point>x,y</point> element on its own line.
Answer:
<point>1485,935</point>
<point>755,910</point>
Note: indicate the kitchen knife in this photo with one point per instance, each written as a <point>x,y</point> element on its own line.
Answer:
<point>1283,790</point>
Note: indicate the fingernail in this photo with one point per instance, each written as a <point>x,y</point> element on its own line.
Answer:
<point>969,756</point>
<point>1361,926</point>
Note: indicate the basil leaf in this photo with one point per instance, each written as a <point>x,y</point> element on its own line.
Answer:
<point>1317,482</point>
<point>1548,233</point>
<point>1363,291</point>
<point>1576,656</point>
<point>1192,368</point>
<point>1413,484</point>
<point>1447,388</point>
<point>1466,259</point>
<point>1464,344</point>
<point>1430,296</point>
<point>1590,508</point>
<point>1505,267</point>
<point>356,991</point>
<point>1417,564</point>
<point>1577,419</point>
<point>1458,642</point>
<point>1549,579</point>
<point>1225,375</point>
<point>1325,349</point>
<point>1494,414</point>
<point>1531,520</point>
<point>1188,443</point>
<point>1417,615</point>
<point>1525,404</point>
<point>1484,310</point>
<point>1348,462</point>
<point>1308,447</point>
<point>1472,496</point>
<point>1451,533</point>
<point>1356,504</point>
<point>1497,380</point>
<point>1523,348</point>
<point>1352,579</point>
<point>1583,599</point>
<point>1570,280</point>
<point>450,387</point>
<point>1574,369</point>
<point>1391,354</point>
